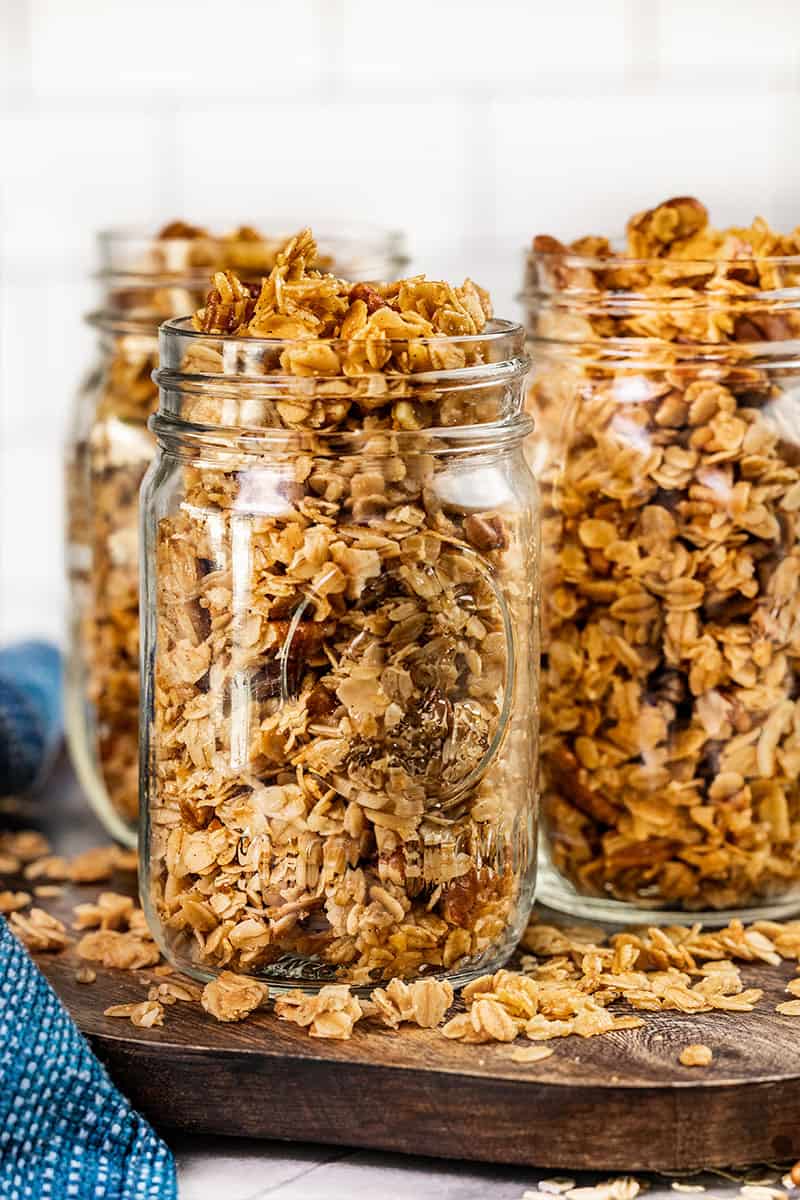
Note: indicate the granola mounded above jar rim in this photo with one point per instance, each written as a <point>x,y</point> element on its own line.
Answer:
<point>664,382</point>
<point>344,638</point>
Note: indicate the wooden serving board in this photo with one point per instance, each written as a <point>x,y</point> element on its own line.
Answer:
<point>617,1102</point>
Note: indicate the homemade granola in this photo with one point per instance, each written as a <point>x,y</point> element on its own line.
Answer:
<point>671,720</point>
<point>145,281</point>
<point>344,631</point>
<point>569,981</point>
<point>232,997</point>
<point>696,1055</point>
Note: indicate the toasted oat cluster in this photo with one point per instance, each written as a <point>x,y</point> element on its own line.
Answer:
<point>696,1055</point>
<point>332,664</point>
<point>108,460</point>
<point>572,975</point>
<point>232,997</point>
<point>671,724</point>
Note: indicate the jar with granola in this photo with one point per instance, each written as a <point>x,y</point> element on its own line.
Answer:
<point>144,280</point>
<point>340,637</point>
<point>667,383</point>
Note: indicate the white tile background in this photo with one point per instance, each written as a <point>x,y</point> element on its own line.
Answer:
<point>472,124</point>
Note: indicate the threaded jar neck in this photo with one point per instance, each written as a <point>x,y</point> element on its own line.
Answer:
<point>339,388</point>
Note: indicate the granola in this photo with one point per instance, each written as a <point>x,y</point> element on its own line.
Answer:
<point>128,951</point>
<point>696,1055</point>
<point>332,1013</point>
<point>144,1015</point>
<point>231,997</point>
<point>335,628</point>
<point>145,282</point>
<point>671,724</point>
<point>422,1003</point>
<point>574,976</point>
<point>38,930</point>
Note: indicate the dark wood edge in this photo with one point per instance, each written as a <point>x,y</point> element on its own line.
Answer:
<point>520,1121</point>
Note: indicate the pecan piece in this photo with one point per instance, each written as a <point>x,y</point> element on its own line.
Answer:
<point>486,533</point>
<point>565,769</point>
<point>373,299</point>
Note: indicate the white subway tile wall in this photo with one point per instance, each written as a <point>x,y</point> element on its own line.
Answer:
<point>470,124</point>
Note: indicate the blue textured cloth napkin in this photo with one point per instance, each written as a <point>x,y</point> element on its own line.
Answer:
<point>66,1133</point>
<point>30,713</point>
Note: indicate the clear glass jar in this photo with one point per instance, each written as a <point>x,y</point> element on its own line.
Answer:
<point>144,280</point>
<point>667,393</point>
<point>340,655</point>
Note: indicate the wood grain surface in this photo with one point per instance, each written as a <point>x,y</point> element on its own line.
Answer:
<point>618,1102</point>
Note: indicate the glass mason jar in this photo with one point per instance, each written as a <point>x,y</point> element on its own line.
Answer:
<point>670,468</point>
<point>340,656</point>
<point>144,280</point>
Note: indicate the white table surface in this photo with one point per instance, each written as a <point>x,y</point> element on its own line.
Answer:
<point>216,1168</point>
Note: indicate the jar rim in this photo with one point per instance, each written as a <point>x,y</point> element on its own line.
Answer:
<point>123,247</point>
<point>497,332</point>
<point>618,259</point>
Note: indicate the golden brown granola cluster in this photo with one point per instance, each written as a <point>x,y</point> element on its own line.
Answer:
<point>671,741</point>
<point>568,981</point>
<point>333,670</point>
<point>109,458</point>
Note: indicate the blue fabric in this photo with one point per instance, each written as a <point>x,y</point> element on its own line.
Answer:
<point>66,1133</point>
<point>30,713</point>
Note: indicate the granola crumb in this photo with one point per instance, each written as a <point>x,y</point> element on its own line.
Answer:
<point>38,930</point>
<point>556,1186</point>
<point>24,846</point>
<point>422,1003</point>
<point>109,911</point>
<point>625,1187</point>
<point>144,1015</point>
<point>85,974</point>
<point>48,891</point>
<point>530,1054</point>
<point>232,997</point>
<point>696,1055</point>
<point>50,866</point>
<point>794,1174</point>
<point>11,902</point>
<point>331,1013</point>
<point>127,951</point>
<point>95,865</point>
<point>789,1008</point>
